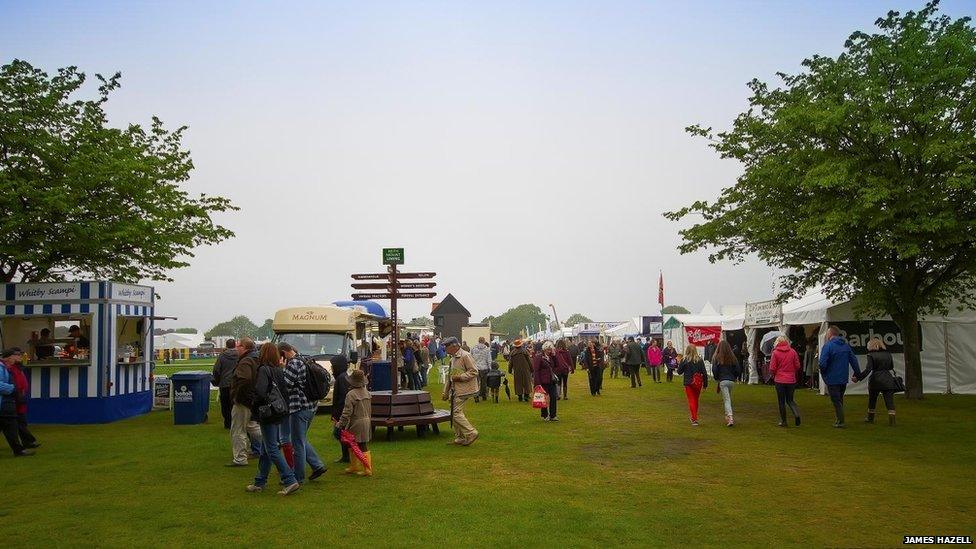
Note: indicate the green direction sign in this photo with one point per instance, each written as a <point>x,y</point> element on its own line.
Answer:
<point>393,256</point>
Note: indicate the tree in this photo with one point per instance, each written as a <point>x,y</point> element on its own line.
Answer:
<point>577,318</point>
<point>515,320</point>
<point>422,321</point>
<point>186,331</point>
<point>81,199</point>
<point>237,327</point>
<point>859,175</point>
<point>264,331</point>
<point>675,310</point>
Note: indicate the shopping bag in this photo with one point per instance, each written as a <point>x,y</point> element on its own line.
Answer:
<point>539,398</point>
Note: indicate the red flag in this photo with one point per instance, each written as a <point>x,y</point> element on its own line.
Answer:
<point>660,290</point>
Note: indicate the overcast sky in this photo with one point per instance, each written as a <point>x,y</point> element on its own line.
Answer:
<point>522,150</point>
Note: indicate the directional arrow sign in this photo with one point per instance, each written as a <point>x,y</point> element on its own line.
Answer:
<point>400,285</point>
<point>425,295</point>
<point>416,275</point>
<point>371,276</point>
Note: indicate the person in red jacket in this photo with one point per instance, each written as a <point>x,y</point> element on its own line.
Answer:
<point>783,368</point>
<point>12,361</point>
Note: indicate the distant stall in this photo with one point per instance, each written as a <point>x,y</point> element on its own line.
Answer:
<point>98,374</point>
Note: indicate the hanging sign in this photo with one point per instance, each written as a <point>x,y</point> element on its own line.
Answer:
<point>128,292</point>
<point>52,291</point>
<point>701,336</point>
<point>393,256</point>
<point>764,313</point>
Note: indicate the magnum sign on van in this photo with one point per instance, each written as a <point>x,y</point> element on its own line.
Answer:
<point>857,334</point>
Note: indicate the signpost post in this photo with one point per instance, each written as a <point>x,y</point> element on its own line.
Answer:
<point>389,287</point>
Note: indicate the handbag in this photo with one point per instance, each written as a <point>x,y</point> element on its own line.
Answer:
<point>275,407</point>
<point>697,381</point>
<point>899,382</point>
<point>539,398</point>
<point>555,380</point>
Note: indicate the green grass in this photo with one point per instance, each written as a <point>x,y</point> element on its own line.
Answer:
<point>624,469</point>
<point>205,364</point>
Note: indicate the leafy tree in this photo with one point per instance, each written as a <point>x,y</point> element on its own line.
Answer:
<point>186,331</point>
<point>675,310</point>
<point>81,199</point>
<point>422,321</point>
<point>237,327</point>
<point>859,175</point>
<point>264,331</point>
<point>577,318</point>
<point>514,320</point>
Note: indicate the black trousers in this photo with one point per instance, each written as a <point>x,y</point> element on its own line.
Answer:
<point>670,374</point>
<point>784,396</point>
<point>596,380</point>
<point>889,399</point>
<point>564,380</point>
<point>634,371</point>
<point>483,384</point>
<point>836,393</point>
<point>26,437</point>
<point>9,427</point>
<point>551,391</point>
<point>225,405</point>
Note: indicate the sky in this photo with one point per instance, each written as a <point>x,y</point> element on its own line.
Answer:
<point>524,151</point>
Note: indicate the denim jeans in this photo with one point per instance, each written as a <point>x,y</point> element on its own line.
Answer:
<point>270,453</point>
<point>836,393</point>
<point>304,453</point>
<point>423,374</point>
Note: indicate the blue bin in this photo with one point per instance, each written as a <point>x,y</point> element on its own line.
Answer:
<point>379,376</point>
<point>191,397</point>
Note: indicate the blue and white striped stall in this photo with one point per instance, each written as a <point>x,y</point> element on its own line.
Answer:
<point>107,385</point>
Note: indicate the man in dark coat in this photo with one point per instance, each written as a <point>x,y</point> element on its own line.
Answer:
<point>340,372</point>
<point>244,431</point>
<point>634,357</point>
<point>223,374</point>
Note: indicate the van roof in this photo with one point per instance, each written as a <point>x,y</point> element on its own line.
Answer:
<point>322,318</point>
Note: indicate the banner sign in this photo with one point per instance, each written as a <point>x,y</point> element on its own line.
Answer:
<point>764,313</point>
<point>700,336</point>
<point>53,291</point>
<point>652,325</point>
<point>127,292</point>
<point>858,333</point>
<point>161,392</point>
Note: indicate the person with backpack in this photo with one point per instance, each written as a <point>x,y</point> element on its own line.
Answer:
<point>271,409</point>
<point>692,367</point>
<point>302,404</point>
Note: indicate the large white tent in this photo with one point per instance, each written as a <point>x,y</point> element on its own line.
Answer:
<point>675,325</point>
<point>629,328</point>
<point>948,342</point>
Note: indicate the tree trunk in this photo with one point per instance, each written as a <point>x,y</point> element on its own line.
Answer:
<point>908,322</point>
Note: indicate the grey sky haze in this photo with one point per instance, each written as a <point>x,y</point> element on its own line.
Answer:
<point>525,152</point>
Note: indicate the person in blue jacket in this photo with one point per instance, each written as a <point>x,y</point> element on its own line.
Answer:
<point>836,361</point>
<point>8,407</point>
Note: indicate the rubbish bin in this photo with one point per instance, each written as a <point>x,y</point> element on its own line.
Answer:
<point>191,397</point>
<point>379,376</point>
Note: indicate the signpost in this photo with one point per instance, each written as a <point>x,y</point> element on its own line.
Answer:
<point>388,281</point>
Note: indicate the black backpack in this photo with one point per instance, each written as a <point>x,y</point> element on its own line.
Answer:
<point>318,380</point>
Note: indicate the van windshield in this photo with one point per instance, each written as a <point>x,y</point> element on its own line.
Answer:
<point>314,345</point>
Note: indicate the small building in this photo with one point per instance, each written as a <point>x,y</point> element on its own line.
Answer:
<point>101,375</point>
<point>449,317</point>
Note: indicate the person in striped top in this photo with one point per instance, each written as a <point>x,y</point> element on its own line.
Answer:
<point>301,413</point>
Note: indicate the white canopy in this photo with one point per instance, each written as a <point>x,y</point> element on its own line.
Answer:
<point>177,341</point>
<point>629,328</point>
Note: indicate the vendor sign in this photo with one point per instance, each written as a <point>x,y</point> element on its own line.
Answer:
<point>162,386</point>
<point>701,336</point>
<point>858,333</point>
<point>764,313</point>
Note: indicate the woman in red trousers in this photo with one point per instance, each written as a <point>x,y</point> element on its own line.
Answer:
<point>692,367</point>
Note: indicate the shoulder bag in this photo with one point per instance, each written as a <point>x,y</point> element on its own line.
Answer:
<point>275,407</point>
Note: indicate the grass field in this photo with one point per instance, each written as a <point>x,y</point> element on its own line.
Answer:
<point>624,469</point>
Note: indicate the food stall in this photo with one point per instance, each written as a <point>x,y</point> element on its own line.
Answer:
<point>101,372</point>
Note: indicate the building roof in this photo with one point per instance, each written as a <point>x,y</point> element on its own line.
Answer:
<point>450,305</point>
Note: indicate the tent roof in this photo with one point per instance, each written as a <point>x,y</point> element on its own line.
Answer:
<point>708,310</point>
<point>628,328</point>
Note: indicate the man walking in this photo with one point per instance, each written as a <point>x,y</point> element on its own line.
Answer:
<point>481,355</point>
<point>634,357</point>
<point>223,374</point>
<point>244,433</point>
<point>462,385</point>
<point>301,412</point>
<point>836,360</point>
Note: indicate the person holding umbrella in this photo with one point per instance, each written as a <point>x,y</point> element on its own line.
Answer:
<point>356,420</point>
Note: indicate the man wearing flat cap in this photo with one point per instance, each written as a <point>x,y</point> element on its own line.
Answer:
<point>463,383</point>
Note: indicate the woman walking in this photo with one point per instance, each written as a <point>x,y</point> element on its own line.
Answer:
<point>521,367</point>
<point>783,368</point>
<point>654,358</point>
<point>594,362</point>
<point>270,387</point>
<point>692,367</point>
<point>882,371</point>
<point>670,357</point>
<point>544,374</point>
<point>564,365</point>
<point>726,370</point>
<point>356,418</point>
